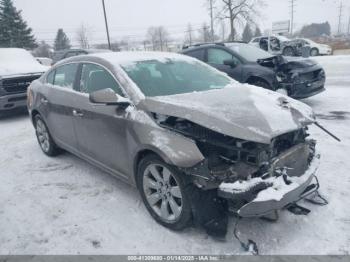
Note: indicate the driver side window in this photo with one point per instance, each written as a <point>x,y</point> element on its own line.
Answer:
<point>95,78</point>
<point>218,56</point>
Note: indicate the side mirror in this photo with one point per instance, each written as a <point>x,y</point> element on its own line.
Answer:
<point>230,62</point>
<point>108,97</point>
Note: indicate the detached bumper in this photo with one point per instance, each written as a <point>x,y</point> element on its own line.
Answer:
<point>260,197</point>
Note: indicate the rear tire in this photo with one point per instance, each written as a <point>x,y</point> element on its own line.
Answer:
<point>288,51</point>
<point>164,192</point>
<point>44,138</point>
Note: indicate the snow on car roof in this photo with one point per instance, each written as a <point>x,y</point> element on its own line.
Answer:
<point>132,57</point>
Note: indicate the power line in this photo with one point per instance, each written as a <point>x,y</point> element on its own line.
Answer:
<point>71,29</point>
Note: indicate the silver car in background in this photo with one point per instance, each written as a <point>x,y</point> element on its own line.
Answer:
<point>195,142</point>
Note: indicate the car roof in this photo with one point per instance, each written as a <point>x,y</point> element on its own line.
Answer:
<point>117,58</point>
<point>202,45</point>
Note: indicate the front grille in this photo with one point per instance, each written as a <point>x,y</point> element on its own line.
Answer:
<point>18,84</point>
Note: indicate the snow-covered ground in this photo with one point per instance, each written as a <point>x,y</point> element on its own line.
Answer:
<point>64,205</point>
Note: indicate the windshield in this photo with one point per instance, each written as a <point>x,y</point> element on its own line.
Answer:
<point>171,77</point>
<point>249,52</point>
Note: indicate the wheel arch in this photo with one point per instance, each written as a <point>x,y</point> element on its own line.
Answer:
<point>253,79</point>
<point>34,113</point>
<point>288,47</point>
<point>142,154</point>
<point>315,48</point>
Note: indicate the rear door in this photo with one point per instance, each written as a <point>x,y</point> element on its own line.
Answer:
<point>59,104</point>
<point>217,56</point>
<point>101,129</point>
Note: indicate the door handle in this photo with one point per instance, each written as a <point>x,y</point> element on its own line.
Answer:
<point>44,101</point>
<point>77,113</point>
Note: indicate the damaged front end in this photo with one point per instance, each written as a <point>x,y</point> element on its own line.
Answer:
<point>301,78</point>
<point>253,178</point>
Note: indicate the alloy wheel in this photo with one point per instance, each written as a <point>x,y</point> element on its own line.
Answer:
<point>162,192</point>
<point>43,135</point>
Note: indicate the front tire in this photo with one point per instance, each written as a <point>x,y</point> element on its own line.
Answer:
<point>164,192</point>
<point>314,52</point>
<point>45,140</point>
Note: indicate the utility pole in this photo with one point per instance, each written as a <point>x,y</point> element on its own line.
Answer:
<point>292,12</point>
<point>340,17</point>
<point>211,20</point>
<point>106,22</point>
<point>349,26</point>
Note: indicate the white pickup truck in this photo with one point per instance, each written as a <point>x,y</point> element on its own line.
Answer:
<point>18,68</point>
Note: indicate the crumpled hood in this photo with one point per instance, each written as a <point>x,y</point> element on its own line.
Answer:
<point>240,111</point>
<point>298,61</point>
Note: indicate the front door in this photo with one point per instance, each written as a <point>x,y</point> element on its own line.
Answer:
<point>216,58</point>
<point>101,129</point>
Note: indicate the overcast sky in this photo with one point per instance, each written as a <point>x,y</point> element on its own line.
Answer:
<point>131,18</point>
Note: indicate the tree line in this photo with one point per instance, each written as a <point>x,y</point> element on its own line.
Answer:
<point>234,14</point>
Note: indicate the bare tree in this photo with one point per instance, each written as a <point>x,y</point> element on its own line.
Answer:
<point>205,35</point>
<point>211,8</point>
<point>163,36</point>
<point>189,36</point>
<point>223,30</point>
<point>158,37</point>
<point>239,12</point>
<point>43,50</point>
<point>83,36</point>
<point>152,37</point>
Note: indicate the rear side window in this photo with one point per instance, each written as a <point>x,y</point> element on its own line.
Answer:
<point>95,78</point>
<point>218,56</point>
<point>65,75</point>
<point>199,54</point>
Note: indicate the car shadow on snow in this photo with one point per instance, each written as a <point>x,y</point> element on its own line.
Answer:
<point>13,114</point>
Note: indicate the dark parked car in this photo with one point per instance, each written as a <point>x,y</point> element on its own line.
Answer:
<point>189,137</point>
<point>18,68</point>
<point>63,54</point>
<point>296,77</point>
